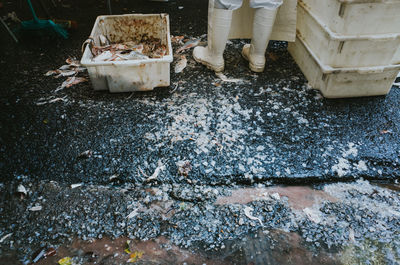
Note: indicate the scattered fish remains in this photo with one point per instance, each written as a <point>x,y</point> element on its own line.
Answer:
<point>189,44</point>
<point>181,64</point>
<point>73,67</point>
<point>70,70</point>
<point>177,39</point>
<point>71,81</point>
<point>336,217</point>
<point>224,78</point>
<point>150,48</point>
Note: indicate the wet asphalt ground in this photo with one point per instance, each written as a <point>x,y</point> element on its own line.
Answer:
<point>205,138</point>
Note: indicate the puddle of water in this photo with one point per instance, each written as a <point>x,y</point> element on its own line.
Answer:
<point>264,247</point>
<point>275,247</point>
<point>106,251</point>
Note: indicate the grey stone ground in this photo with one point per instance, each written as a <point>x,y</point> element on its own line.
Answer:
<point>269,128</point>
<point>349,223</point>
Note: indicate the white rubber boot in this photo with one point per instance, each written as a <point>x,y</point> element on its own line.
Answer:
<point>218,32</point>
<point>262,28</point>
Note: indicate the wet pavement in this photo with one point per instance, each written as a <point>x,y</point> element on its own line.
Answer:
<point>194,160</point>
<point>340,223</point>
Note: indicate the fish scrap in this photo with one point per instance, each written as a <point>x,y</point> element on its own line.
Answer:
<point>188,45</point>
<point>117,56</point>
<point>21,189</point>
<point>161,167</point>
<point>60,73</point>
<point>181,64</point>
<point>224,78</point>
<point>73,62</point>
<point>5,237</point>
<point>247,212</point>
<point>77,185</point>
<point>44,101</point>
<point>35,208</point>
<point>130,50</point>
<point>73,67</point>
<point>177,39</point>
<point>86,154</point>
<point>132,214</point>
<point>71,81</point>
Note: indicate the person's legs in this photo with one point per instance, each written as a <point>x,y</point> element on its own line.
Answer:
<point>263,23</point>
<point>267,4</point>
<point>228,4</point>
<point>219,24</point>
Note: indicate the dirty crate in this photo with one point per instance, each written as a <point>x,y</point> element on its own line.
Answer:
<point>358,17</point>
<point>130,75</point>
<point>342,82</point>
<point>396,59</point>
<point>338,50</point>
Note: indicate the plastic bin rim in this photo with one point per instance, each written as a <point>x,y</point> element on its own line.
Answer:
<point>165,59</point>
<point>134,15</point>
<point>336,36</point>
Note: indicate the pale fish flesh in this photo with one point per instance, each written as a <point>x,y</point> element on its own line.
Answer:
<point>181,64</point>
<point>189,44</point>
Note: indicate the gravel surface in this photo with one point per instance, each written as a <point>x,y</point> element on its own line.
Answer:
<point>156,162</point>
<point>361,217</point>
<point>269,126</point>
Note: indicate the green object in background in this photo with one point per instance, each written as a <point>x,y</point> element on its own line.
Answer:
<point>42,25</point>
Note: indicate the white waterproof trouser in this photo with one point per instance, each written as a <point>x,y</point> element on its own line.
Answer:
<point>235,4</point>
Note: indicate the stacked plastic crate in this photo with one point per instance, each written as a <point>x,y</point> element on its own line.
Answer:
<point>348,48</point>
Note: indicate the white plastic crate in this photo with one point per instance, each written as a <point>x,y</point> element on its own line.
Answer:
<point>342,82</point>
<point>130,75</point>
<point>345,51</point>
<point>396,58</point>
<point>358,17</point>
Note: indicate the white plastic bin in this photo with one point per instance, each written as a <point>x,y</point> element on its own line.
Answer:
<point>130,75</point>
<point>345,51</point>
<point>358,17</point>
<point>342,82</point>
<point>396,58</point>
